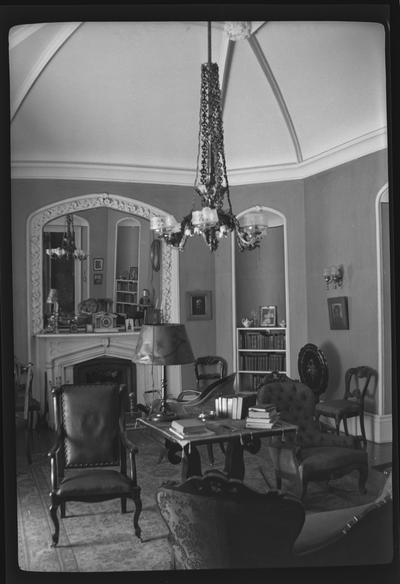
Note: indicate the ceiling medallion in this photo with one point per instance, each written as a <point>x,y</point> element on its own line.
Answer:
<point>215,219</point>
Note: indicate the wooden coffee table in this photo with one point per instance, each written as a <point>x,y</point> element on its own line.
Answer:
<point>231,432</point>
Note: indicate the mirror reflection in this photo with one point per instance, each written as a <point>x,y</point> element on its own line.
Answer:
<point>97,261</point>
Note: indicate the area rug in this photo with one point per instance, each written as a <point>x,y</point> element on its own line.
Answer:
<point>98,538</point>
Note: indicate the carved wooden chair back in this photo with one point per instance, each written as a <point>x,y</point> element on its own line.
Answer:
<point>208,368</point>
<point>357,382</point>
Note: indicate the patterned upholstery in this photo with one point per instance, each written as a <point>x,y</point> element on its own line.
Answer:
<point>311,455</point>
<point>216,523</point>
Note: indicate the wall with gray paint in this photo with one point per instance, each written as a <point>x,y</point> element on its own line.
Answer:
<point>340,229</point>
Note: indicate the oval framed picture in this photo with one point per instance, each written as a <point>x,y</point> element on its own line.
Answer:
<point>155,254</point>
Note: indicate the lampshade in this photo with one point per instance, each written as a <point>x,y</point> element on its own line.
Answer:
<point>163,344</point>
<point>52,297</point>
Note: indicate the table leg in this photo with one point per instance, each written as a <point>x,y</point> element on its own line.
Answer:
<point>234,463</point>
<point>191,462</point>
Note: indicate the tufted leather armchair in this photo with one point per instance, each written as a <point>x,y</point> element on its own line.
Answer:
<point>311,455</point>
<point>89,459</point>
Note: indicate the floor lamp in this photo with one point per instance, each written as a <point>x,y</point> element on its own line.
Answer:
<point>163,344</point>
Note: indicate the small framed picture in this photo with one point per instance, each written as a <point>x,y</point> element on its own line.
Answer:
<point>268,316</point>
<point>98,264</point>
<point>133,273</point>
<point>338,313</point>
<point>198,305</point>
<point>97,279</point>
<point>129,324</point>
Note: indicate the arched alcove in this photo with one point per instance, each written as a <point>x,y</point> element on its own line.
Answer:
<point>37,220</point>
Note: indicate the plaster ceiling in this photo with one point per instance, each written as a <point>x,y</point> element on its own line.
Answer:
<point>120,100</point>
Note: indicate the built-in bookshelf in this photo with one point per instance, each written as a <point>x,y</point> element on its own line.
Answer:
<point>260,351</point>
<point>126,297</point>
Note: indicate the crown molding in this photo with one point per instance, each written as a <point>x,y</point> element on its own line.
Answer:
<point>346,152</point>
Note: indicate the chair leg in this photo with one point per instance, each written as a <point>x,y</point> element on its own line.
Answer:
<point>123,504</point>
<point>363,428</point>
<point>345,426</point>
<point>304,490</point>
<point>363,479</point>
<point>63,509</point>
<point>337,423</point>
<point>138,508</point>
<point>53,515</point>
<point>210,454</point>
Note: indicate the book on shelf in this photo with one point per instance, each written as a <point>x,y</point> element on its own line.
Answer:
<point>189,426</point>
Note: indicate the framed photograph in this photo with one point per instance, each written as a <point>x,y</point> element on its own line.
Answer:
<point>267,315</point>
<point>98,264</point>
<point>198,304</point>
<point>133,273</point>
<point>338,313</point>
<point>129,325</point>
<point>97,279</point>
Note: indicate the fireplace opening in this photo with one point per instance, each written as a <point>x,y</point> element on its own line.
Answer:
<point>109,370</point>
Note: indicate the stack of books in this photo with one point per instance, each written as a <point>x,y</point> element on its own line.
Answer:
<point>262,417</point>
<point>189,428</point>
<point>234,406</point>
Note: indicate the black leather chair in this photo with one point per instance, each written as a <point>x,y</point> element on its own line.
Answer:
<point>89,459</point>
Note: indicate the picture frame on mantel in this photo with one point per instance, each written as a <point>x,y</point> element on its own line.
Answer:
<point>199,305</point>
<point>338,313</point>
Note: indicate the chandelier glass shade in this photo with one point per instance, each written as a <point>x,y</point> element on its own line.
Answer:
<point>215,219</point>
<point>67,249</point>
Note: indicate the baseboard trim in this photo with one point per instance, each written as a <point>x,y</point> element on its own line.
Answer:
<point>377,428</point>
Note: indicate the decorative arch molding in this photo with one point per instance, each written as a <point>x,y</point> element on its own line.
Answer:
<point>381,197</point>
<point>36,221</point>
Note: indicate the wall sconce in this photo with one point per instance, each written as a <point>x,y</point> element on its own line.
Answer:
<point>333,276</point>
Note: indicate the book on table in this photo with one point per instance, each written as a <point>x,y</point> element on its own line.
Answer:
<point>234,406</point>
<point>261,423</point>
<point>187,427</point>
<point>262,412</point>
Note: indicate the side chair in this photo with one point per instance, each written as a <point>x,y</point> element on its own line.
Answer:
<point>27,407</point>
<point>357,382</point>
<point>88,462</point>
<point>209,368</point>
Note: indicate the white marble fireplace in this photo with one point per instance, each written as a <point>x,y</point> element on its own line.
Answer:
<point>56,356</point>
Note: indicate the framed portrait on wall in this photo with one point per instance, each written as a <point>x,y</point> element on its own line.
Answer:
<point>97,279</point>
<point>198,305</point>
<point>268,315</point>
<point>98,264</point>
<point>338,313</point>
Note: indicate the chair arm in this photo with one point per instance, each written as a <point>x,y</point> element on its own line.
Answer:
<point>286,464</point>
<point>53,454</point>
<point>130,447</point>
<point>187,392</point>
<point>328,439</point>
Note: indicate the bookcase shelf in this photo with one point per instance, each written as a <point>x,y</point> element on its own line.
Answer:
<point>126,296</point>
<point>260,350</point>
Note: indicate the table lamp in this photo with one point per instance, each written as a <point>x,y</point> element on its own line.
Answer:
<point>52,300</point>
<point>163,344</point>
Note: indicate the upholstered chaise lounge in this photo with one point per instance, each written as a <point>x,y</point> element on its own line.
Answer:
<point>312,455</point>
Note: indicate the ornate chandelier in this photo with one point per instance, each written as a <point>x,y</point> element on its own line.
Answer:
<point>67,249</point>
<point>215,219</point>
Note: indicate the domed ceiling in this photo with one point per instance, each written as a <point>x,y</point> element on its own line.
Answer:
<point>120,100</point>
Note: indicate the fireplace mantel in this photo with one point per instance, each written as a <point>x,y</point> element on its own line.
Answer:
<point>56,355</point>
